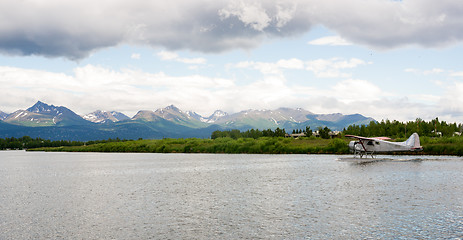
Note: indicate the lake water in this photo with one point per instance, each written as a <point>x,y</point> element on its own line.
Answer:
<point>219,196</point>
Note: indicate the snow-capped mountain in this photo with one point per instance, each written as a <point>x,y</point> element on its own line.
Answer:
<point>42,114</point>
<point>211,119</point>
<point>119,116</point>
<point>172,114</point>
<point>288,119</point>
<point>41,107</point>
<point>3,115</point>
<point>24,117</point>
<point>103,116</point>
<point>217,115</point>
<point>277,116</point>
<point>196,116</point>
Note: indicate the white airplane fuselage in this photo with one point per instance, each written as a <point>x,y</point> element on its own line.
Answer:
<point>377,145</point>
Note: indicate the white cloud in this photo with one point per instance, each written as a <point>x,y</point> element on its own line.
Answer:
<point>360,96</point>
<point>165,55</point>
<point>74,30</point>
<point>433,71</point>
<point>330,41</point>
<point>389,24</point>
<point>171,56</point>
<point>268,68</point>
<point>453,97</point>
<point>135,56</point>
<point>331,68</point>
<point>192,60</point>
<point>457,74</point>
<point>354,90</point>
<point>292,63</point>
<point>450,104</point>
<point>438,83</point>
<point>322,68</point>
<point>94,87</point>
<point>250,13</point>
<point>425,72</point>
<point>412,70</point>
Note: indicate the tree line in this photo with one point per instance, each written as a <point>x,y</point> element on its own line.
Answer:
<point>396,129</point>
<point>27,142</point>
<point>323,132</point>
<point>252,133</point>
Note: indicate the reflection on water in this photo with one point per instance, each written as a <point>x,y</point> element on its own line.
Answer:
<point>204,196</point>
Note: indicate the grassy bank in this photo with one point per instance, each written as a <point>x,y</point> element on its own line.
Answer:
<point>443,145</point>
<point>267,145</point>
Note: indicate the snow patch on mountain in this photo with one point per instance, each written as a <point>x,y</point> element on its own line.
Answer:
<point>217,115</point>
<point>103,116</point>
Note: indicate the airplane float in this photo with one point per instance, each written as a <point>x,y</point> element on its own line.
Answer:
<point>365,146</point>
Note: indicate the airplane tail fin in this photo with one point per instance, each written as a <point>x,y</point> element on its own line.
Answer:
<point>414,142</point>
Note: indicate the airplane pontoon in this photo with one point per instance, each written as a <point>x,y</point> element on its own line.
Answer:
<point>365,146</point>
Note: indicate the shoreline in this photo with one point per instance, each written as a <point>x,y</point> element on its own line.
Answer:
<point>267,145</point>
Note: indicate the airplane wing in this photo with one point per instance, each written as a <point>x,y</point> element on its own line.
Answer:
<point>366,138</point>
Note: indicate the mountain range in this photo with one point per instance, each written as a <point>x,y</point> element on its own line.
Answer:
<point>60,123</point>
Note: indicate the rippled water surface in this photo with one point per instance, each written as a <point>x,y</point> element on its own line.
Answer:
<point>202,196</point>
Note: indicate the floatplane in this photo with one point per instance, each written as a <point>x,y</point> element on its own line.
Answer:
<point>368,147</point>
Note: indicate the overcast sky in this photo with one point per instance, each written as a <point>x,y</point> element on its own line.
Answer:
<point>385,59</point>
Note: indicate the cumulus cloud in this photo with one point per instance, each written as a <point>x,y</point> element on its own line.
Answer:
<point>425,72</point>
<point>352,90</point>
<point>452,100</point>
<point>433,71</point>
<point>322,68</point>
<point>94,87</point>
<point>268,68</point>
<point>331,68</point>
<point>135,56</point>
<point>365,97</point>
<point>250,13</point>
<point>330,41</point>
<point>457,74</point>
<point>388,24</point>
<point>171,56</point>
<point>75,29</point>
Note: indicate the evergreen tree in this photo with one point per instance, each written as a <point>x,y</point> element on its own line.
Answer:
<point>308,131</point>
<point>324,132</point>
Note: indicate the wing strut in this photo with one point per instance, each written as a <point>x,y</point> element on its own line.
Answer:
<point>361,153</point>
